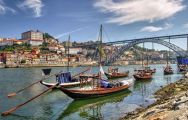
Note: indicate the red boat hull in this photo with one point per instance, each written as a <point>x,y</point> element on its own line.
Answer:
<point>83,94</point>
<point>117,75</point>
<point>137,77</point>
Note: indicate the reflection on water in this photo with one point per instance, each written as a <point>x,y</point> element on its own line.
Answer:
<point>56,105</point>
<point>86,106</point>
<point>168,79</point>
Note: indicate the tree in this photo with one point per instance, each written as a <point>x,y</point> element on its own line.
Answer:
<point>47,36</point>
<point>23,61</point>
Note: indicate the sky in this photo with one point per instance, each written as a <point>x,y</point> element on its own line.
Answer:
<point>121,19</point>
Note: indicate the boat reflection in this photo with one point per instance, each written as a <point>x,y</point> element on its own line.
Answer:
<point>91,108</point>
<point>138,85</point>
<point>168,79</point>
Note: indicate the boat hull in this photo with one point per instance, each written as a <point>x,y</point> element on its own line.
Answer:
<point>137,77</point>
<point>83,94</point>
<point>168,72</point>
<point>119,75</point>
<point>182,69</point>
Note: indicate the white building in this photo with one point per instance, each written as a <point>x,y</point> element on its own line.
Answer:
<point>34,38</point>
<point>75,50</point>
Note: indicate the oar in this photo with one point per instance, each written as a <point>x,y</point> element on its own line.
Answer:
<point>20,105</point>
<point>15,93</point>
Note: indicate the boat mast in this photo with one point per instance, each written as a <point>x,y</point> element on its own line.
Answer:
<point>100,53</point>
<point>147,56</point>
<point>143,55</point>
<point>100,45</point>
<point>68,55</point>
<point>168,53</point>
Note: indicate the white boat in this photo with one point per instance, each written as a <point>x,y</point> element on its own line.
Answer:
<point>67,84</point>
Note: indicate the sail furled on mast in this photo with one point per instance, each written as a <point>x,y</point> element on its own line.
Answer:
<point>101,70</point>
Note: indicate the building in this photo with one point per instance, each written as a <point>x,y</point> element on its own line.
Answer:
<point>34,38</point>
<point>9,41</point>
<point>75,50</point>
<point>1,39</point>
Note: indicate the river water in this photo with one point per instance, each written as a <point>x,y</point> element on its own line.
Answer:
<point>55,105</point>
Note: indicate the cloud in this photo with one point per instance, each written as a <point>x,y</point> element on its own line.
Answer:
<point>130,11</point>
<point>35,5</point>
<point>67,33</point>
<point>185,25</point>
<point>151,29</point>
<point>156,28</point>
<point>4,8</point>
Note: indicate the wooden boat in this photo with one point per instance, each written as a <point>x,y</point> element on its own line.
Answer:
<point>96,92</point>
<point>182,68</point>
<point>71,83</point>
<point>116,75</point>
<point>168,70</point>
<point>143,76</point>
<point>101,87</point>
<point>149,70</point>
<point>146,72</point>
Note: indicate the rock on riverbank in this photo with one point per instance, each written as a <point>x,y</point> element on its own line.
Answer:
<point>171,104</point>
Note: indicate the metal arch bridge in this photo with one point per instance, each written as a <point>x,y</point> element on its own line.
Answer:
<point>160,40</point>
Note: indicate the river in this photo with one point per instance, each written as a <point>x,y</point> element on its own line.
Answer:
<point>55,105</point>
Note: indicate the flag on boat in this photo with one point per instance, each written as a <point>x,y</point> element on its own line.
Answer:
<point>101,70</point>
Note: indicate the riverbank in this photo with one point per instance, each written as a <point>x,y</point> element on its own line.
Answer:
<point>62,65</point>
<point>47,65</point>
<point>171,104</point>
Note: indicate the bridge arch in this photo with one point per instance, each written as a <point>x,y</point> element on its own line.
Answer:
<point>125,47</point>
